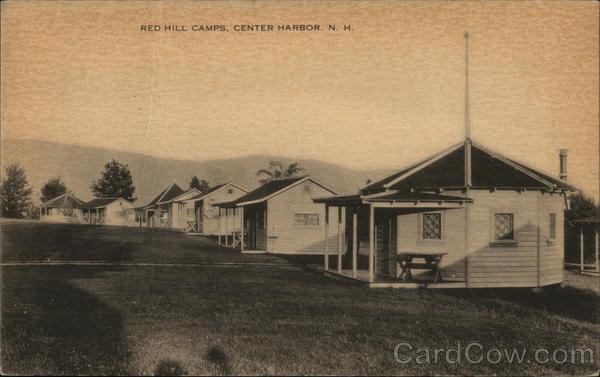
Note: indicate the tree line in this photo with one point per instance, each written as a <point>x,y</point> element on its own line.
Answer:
<point>115,181</point>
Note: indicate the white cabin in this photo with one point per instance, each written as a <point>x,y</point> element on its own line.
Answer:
<point>279,217</point>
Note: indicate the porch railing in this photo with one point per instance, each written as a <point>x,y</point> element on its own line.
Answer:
<point>94,220</point>
<point>192,227</point>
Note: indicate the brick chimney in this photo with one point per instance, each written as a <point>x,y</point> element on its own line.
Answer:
<point>563,164</point>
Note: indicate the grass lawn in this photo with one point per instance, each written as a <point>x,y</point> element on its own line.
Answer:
<point>260,320</point>
<point>35,241</point>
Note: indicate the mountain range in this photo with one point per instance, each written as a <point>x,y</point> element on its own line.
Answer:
<point>79,166</point>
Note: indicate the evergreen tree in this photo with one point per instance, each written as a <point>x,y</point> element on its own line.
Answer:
<point>15,193</point>
<point>581,206</point>
<point>200,185</point>
<point>115,182</point>
<point>53,188</point>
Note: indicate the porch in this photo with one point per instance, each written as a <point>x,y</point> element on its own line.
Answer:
<point>376,247</point>
<point>158,216</point>
<point>244,228</point>
<point>94,216</point>
<point>191,213</point>
<point>385,281</point>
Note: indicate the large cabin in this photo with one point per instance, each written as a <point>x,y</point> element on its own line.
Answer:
<point>488,220</point>
<point>279,217</point>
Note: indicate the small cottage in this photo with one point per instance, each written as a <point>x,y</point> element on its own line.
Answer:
<point>465,217</point>
<point>197,214</point>
<point>278,217</point>
<point>65,208</point>
<point>109,211</point>
<point>158,213</point>
<point>177,210</point>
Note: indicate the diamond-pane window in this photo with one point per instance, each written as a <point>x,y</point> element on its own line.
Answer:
<point>504,225</point>
<point>432,226</point>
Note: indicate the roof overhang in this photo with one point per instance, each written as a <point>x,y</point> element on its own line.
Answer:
<point>234,203</point>
<point>588,220</point>
<point>188,192</point>
<point>394,199</point>
<point>202,197</point>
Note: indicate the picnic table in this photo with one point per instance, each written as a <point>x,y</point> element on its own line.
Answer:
<point>431,261</point>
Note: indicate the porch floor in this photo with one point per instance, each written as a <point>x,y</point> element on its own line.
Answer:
<point>383,281</point>
<point>254,251</point>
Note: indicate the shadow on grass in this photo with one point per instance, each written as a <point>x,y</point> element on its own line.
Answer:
<point>51,326</point>
<point>59,242</point>
<point>216,356</point>
<point>578,304</point>
<point>168,367</point>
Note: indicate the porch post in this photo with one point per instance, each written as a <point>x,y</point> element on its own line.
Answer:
<point>581,247</point>
<point>226,227</point>
<point>220,221</point>
<point>339,239</point>
<point>354,243</point>
<point>467,241</point>
<point>597,247</point>
<point>371,243</point>
<point>326,262</point>
<point>242,229</point>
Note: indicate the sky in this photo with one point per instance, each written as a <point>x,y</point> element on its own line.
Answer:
<point>386,93</point>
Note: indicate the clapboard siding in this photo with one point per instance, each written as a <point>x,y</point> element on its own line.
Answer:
<point>551,252</point>
<point>289,237</point>
<point>532,260</point>
<point>453,240</point>
<point>505,283</point>
<point>505,269</point>
<point>211,212</point>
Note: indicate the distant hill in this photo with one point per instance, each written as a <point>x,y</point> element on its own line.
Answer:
<point>78,166</point>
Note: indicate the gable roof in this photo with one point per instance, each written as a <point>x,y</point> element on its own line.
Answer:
<point>212,189</point>
<point>269,190</point>
<point>449,169</point>
<point>166,195</point>
<point>100,202</point>
<point>186,192</point>
<point>380,185</point>
<point>204,193</point>
<point>66,200</point>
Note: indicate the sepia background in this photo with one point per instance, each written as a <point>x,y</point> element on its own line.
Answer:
<point>370,100</point>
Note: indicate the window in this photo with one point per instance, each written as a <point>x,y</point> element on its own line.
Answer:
<point>190,211</point>
<point>432,226</point>
<point>552,223</point>
<point>230,191</point>
<point>504,227</point>
<point>307,187</point>
<point>306,219</point>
